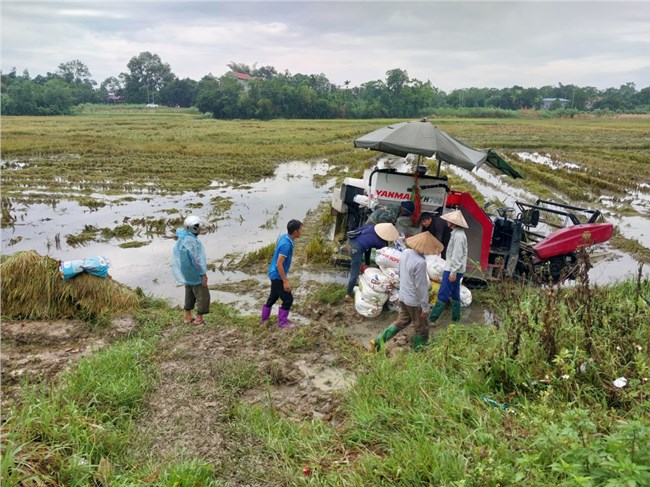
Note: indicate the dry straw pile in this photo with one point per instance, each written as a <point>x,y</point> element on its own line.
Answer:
<point>32,288</point>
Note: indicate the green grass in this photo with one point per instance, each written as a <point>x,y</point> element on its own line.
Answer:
<point>529,402</point>
<point>435,418</point>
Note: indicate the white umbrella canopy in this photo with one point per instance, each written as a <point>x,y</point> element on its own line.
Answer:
<point>425,139</point>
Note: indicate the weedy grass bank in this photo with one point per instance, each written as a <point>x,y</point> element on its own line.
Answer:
<point>533,400</point>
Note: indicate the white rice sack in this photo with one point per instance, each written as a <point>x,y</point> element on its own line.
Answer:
<point>388,258</point>
<point>370,296</point>
<point>376,279</point>
<point>400,244</point>
<point>392,276</point>
<point>393,295</point>
<point>435,267</point>
<point>364,308</point>
<point>465,296</point>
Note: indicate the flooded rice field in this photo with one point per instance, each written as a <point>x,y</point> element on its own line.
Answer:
<point>249,218</point>
<point>258,214</point>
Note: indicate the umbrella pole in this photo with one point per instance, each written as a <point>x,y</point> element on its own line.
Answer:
<point>439,164</point>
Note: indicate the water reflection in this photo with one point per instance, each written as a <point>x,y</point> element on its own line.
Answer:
<point>259,213</point>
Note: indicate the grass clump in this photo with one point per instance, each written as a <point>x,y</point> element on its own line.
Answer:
<point>329,293</point>
<point>61,436</point>
<point>258,257</point>
<point>318,250</point>
<point>133,244</point>
<point>32,288</point>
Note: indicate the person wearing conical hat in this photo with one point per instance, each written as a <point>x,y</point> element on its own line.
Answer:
<point>367,238</point>
<point>437,227</point>
<point>413,291</point>
<point>455,266</point>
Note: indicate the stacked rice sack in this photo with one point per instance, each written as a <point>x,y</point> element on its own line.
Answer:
<point>435,268</point>
<point>378,285</point>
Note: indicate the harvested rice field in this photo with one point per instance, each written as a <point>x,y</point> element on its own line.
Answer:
<point>148,400</point>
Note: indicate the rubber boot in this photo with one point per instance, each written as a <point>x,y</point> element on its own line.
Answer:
<point>387,334</point>
<point>437,311</point>
<point>266,312</point>
<point>283,319</point>
<point>419,342</point>
<point>455,311</point>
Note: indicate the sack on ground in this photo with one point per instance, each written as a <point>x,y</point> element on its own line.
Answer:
<point>392,276</point>
<point>388,257</point>
<point>435,267</point>
<point>465,296</point>
<point>376,280</point>
<point>370,296</point>
<point>364,308</point>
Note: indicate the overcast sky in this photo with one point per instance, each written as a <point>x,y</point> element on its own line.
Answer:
<point>453,44</point>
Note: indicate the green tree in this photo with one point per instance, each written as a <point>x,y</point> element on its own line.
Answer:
<point>148,74</point>
<point>179,92</point>
<point>396,79</point>
<point>56,97</point>
<point>20,98</point>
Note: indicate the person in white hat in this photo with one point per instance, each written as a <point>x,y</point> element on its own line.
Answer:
<point>455,266</point>
<point>413,291</point>
<point>367,238</point>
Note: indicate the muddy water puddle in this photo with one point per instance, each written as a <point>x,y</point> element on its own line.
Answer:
<point>258,215</point>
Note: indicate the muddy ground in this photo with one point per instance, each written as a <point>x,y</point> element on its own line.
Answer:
<point>38,351</point>
<point>205,371</point>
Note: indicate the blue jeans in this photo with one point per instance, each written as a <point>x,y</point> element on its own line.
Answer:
<point>449,289</point>
<point>356,258</point>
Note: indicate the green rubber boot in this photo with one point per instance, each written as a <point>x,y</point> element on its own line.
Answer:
<point>419,342</point>
<point>455,311</point>
<point>387,334</point>
<point>437,311</point>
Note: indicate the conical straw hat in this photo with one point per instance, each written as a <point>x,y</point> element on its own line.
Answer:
<point>387,231</point>
<point>425,243</point>
<point>455,217</point>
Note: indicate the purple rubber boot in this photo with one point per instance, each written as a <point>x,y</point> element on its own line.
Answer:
<point>283,319</point>
<point>266,312</point>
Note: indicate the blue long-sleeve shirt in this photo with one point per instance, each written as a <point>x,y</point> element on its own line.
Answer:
<point>368,239</point>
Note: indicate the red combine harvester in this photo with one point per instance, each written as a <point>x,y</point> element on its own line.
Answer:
<point>538,242</point>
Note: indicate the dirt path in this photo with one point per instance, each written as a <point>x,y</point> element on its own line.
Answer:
<point>206,371</point>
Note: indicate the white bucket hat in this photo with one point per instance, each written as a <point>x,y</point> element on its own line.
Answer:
<point>387,231</point>
<point>455,217</point>
<point>425,244</point>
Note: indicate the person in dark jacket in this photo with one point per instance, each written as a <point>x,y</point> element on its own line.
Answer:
<point>369,237</point>
<point>437,227</point>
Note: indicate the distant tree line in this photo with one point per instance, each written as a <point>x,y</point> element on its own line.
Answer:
<point>264,93</point>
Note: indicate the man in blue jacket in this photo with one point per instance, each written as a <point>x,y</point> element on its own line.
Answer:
<point>367,238</point>
<point>278,270</point>
<point>189,267</point>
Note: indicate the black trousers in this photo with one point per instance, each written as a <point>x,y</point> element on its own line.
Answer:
<point>277,291</point>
